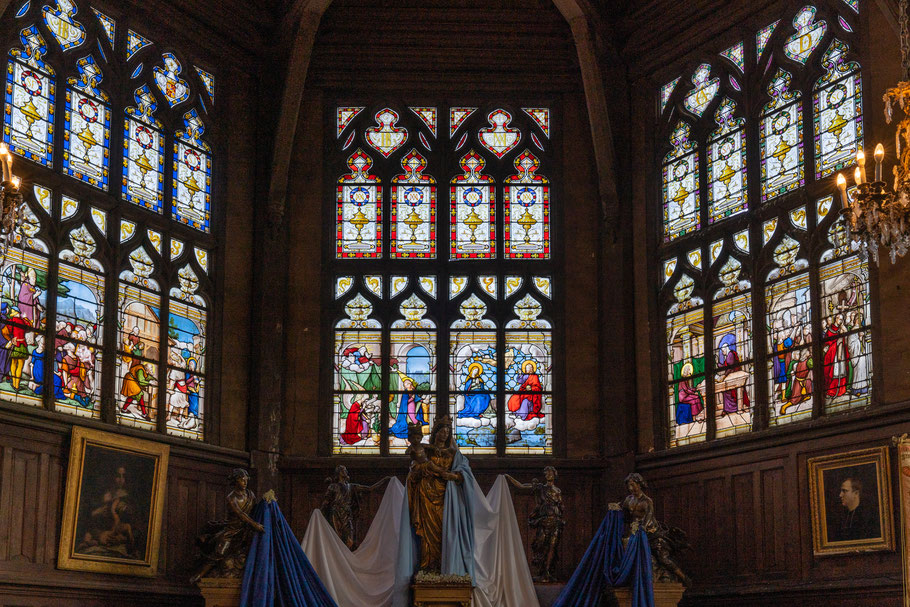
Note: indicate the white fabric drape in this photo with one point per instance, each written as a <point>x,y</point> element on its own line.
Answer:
<point>366,577</point>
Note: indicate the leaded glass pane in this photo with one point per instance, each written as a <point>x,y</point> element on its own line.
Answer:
<point>526,211</point>
<point>359,210</point>
<point>727,192</point>
<point>139,336</point>
<point>412,385</point>
<point>143,153</point>
<point>808,34</point>
<point>413,211</point>
<point>704,92</point>
<point>681,200</point>
<point>838,112</point>
<point>28,122</point>
<point>734,377</point>
<point>686,374</point>
<point>781,139</point>
<point>789,336</point>
<point>358,382</point>
<point>472,378</point>
<point>87,127</point>
<point>192,183</point>
<point>473,211</point>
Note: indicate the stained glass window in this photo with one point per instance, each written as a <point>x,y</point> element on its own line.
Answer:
<point>79,325</point>
<point>781,137</point>
<point>186,364</point>
<point>838,111</point>
<point>788,323</point>
<point>704,91</point>
<point>686,365</point>
<point>789,335</point>
<point>412,373</point>
<point>101,247</point>
<point>732,337</point>
<point>666,91</point>
<point>846,317</point>
<point>727,187</point>
<point>23,315</point>
<point>359,210</point>
<point>143,153</point>
<point>413,210</point>
<point>808,34</point>
<point>138,339</point>
<point>28,123</point>
<point>528,380</point>
<point>473,375</point>
<point>87,127</point>
<point>473,211</point>
<point>192,189</point>
<point>681,201</point>
<point>473,339</point>
<point>526,210</point>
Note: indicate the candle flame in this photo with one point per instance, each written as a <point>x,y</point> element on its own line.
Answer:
<point>860,158</point>
<point>841,181</point>
<point>879,152</point>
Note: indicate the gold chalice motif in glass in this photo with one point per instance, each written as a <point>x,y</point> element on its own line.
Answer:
<point>473,221</point>
<point>144,167</point>
<point>88,142</point>
<point>193,188</point>
<point>413,221</point>
<point>31,115</point>
<point>527,222</point>
<point>359,221</point>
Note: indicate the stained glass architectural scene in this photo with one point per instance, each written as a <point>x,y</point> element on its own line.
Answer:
<point>685,339</point>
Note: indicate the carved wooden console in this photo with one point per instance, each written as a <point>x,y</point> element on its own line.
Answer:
<point>439,594</point>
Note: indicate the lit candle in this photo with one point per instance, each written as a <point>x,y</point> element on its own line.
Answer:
<point>861,164</point>
<point>842,186</point>
<point>4,152</point>
<point>9,167</point>
<point>857,176</point>
<point>879,156</point>
<point>16,181</point>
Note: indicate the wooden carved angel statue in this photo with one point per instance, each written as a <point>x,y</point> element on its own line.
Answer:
<point>341,504</point>
<point>547,520</point>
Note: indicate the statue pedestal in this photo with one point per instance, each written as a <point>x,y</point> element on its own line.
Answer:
<point>439,594</point>
<point>666,594</point>
<point>220,592</point>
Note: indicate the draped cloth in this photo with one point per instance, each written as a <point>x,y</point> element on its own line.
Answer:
<point>606,564</point>
<point>480,536</point>
<point>277,572</point>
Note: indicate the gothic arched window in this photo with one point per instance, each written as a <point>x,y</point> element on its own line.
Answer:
<point>442,313</point>
<point>765,302</point>
<point>106,289</point>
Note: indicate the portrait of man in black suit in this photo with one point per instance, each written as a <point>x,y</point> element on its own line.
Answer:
<point>852,504</point>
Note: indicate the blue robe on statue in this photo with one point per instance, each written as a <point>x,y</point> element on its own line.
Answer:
<point>475,403</point>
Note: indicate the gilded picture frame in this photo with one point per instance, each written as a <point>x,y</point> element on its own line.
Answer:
<point>903,487</point>
<point>850,500</point>
<point>114,503</point>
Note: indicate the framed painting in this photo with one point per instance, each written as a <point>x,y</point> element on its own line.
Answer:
<point>114,503</point>
<point>903,465</point>
<point>850,499</point>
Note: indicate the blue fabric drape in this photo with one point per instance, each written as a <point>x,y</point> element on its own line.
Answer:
<point>277,572</point>
<point>606,564</point>
<point>458,521</point>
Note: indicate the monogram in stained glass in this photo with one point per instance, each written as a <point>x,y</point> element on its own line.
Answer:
<point>808,34</point>
<point>704,91</point>
<point>386,136</point>
<point>60,20</point>
<point>499,137</point>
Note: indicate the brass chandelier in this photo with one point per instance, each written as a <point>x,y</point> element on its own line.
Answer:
<point>876,214</point>
<point>11,201</point>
